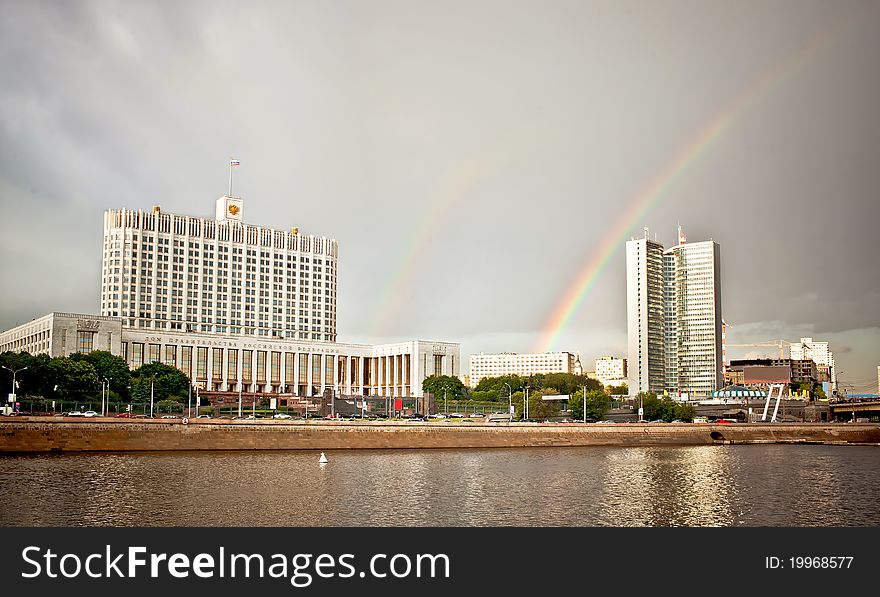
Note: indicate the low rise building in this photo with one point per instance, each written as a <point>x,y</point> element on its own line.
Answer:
<point>510,363</point>
<point>611,371</point>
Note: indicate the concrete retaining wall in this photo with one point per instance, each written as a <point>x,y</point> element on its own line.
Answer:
<point>37,435</point>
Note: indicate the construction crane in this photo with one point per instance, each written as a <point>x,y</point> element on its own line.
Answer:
<point>780,344</point>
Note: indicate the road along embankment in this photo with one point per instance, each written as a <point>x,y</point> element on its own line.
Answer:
<point>106,435</point>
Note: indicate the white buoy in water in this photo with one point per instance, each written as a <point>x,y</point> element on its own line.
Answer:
<point>322,459</point>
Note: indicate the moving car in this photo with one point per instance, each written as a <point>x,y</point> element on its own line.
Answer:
<point>281,416</point>
<point>90,413</point>
<point>74,413</point>
<point>125,416</point>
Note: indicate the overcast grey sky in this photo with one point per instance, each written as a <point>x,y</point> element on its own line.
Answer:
<point>468,156</point>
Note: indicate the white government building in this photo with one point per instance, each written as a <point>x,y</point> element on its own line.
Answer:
<point>674,317</point>
<point>238,308</point>
<point>510,363</point>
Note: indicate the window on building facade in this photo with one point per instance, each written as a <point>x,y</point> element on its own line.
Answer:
<point>232,364</point>
<point>85,342</point>
<point>217,363</point>
<point>303,368</point>
<point>316,369</point>
<point>137,354</point>
<point>202,363</point>
<point>246,364</point>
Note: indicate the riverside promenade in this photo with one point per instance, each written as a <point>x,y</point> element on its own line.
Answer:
<point>46,435</point>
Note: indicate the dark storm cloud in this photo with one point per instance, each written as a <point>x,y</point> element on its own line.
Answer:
<point>354,120</point>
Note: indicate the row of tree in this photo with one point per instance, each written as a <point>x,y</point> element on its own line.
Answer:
<point>585,394</point>
<point>665,408</point>
<point>513,389</point>
<point>498,389</point>
<point>80,377</point>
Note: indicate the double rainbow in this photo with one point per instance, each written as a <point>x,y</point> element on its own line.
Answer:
<point>659,186</point>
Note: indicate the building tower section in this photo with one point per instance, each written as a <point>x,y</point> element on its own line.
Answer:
<point>164,271</point>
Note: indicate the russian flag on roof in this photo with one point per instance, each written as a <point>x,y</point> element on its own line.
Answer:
<point>234,163</point>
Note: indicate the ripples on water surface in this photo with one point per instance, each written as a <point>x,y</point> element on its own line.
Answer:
<point>766,485</point>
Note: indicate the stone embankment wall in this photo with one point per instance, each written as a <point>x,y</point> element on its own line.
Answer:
<point>35,435</point>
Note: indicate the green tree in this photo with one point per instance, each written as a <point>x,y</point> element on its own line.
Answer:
<point>685,411</point>
<point>621,390</point>
<point>455,390</point>
<point>653,407</point>
<point>169,406</point>
<point>167,382</point>
<point>564,383</point>
<point>597,405</point>
<point>540,408</point>
<point>75,379</point>
<point>111,367</point>
<point>487,396</point>
<point>665,409</point>
<point>30,373</point>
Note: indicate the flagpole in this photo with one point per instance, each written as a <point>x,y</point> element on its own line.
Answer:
<point>230,177</point>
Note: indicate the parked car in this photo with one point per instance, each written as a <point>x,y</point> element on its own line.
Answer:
<point>90,413</point>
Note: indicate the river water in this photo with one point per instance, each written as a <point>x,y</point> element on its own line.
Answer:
<point>758,485</point>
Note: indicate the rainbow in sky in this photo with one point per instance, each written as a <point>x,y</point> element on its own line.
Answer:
<point>659,186</point>
<point>453,192</point>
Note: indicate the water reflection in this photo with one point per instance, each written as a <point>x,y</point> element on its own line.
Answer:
<point>647,486</point>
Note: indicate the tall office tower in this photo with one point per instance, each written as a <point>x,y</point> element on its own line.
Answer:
<point>674,317</point>
<point>692,309</point>
<point>645,318</point>
<point>169,272</point>
<point>820,354</point>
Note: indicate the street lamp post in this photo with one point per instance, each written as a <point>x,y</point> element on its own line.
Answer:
<point>103,402</point>
<point>584,403</point>
<point>14,373</point>
<point>152,384</point>
<point>509,398</point>
<point>526,402</point>
<point>445,410</point>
